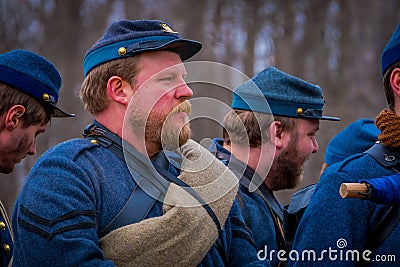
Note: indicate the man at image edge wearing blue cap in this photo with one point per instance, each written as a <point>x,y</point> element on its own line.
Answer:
<point>347,225</point>
<point>29,89</point>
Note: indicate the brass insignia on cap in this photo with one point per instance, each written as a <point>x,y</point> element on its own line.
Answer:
<point>299,111</point>
<point>46,97</point>
<point>49,98</point>
<point>122,51</point>
<point>167,28</point>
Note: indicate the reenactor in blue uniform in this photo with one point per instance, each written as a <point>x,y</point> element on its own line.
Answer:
<point>358,232</point>
<point>268,136</point>
<point>29,89</point>
<point>85,188</point>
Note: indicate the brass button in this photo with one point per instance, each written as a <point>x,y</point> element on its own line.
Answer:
<point>93,141</point>
<point>46,97</point>
<point>2,226</point>
<point>7,248</point>
<point>122,51</point>
<point>299,111</point>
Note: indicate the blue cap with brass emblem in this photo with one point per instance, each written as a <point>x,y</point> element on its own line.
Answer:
<point>274,92</point>
<point>126,38</point>
<point>33,75</point>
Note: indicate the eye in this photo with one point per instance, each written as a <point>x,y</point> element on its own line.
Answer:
<point>312,134</point>
<point>166,79</point>
<point>38,132</point>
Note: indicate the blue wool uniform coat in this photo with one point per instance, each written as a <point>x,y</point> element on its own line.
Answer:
<point>257,214</point>
<point>6,241</point>
<point>74,190</point>
<point>341,226</point>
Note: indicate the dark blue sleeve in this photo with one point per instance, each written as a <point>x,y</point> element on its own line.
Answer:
<point>385,190</point>
<point>55,220</point>
<point>331,226</point>
<point>242,251</point>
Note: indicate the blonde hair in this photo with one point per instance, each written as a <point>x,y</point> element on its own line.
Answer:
<point>93,93</point>
<point>243,125</point>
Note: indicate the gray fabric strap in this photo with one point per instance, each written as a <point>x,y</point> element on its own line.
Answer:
<point>140,202</point>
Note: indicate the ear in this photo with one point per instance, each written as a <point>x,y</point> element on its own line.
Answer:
<point>13,117</point>
<point>276,134</point>
<point>395,81</point>
<point>119,90</point>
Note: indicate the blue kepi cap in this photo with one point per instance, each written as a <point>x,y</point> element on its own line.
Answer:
<point>33,75</point>
<point>391,52</point>
<point>285,94</point>
<point>127,38</point>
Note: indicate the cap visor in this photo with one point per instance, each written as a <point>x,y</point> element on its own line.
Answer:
<point>327,118</point>
<point>183,47</point>
<point>59,113</point>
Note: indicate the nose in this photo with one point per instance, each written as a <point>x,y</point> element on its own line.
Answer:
<point>183,91</point>
<point>32,149</point>
<point>315,146</point>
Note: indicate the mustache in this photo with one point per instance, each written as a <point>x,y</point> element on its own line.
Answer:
<point>182,107</point>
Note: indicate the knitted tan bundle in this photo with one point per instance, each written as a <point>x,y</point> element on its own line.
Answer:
<point>389,123</point>
<point>185,233</point>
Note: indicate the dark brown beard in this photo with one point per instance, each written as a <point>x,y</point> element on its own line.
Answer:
<point>287,169</point>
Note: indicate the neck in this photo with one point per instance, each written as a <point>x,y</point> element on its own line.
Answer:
<point>144,147</point>
<point>397,109</point>
<point>257,158</point>
<point>139,142</point>
<point>114,121</point>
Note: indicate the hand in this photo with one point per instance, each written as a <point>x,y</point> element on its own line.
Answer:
<point>213,181</point>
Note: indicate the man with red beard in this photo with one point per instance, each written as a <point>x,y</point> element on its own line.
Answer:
<point>268,136</point>
<point>118,177</point>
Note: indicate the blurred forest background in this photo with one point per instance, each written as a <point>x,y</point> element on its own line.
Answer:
<point>334,43</point>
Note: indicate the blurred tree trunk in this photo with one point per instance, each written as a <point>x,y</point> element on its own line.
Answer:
<point>285,53</point>
<point>359,47</point>
<point>253,23</point>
